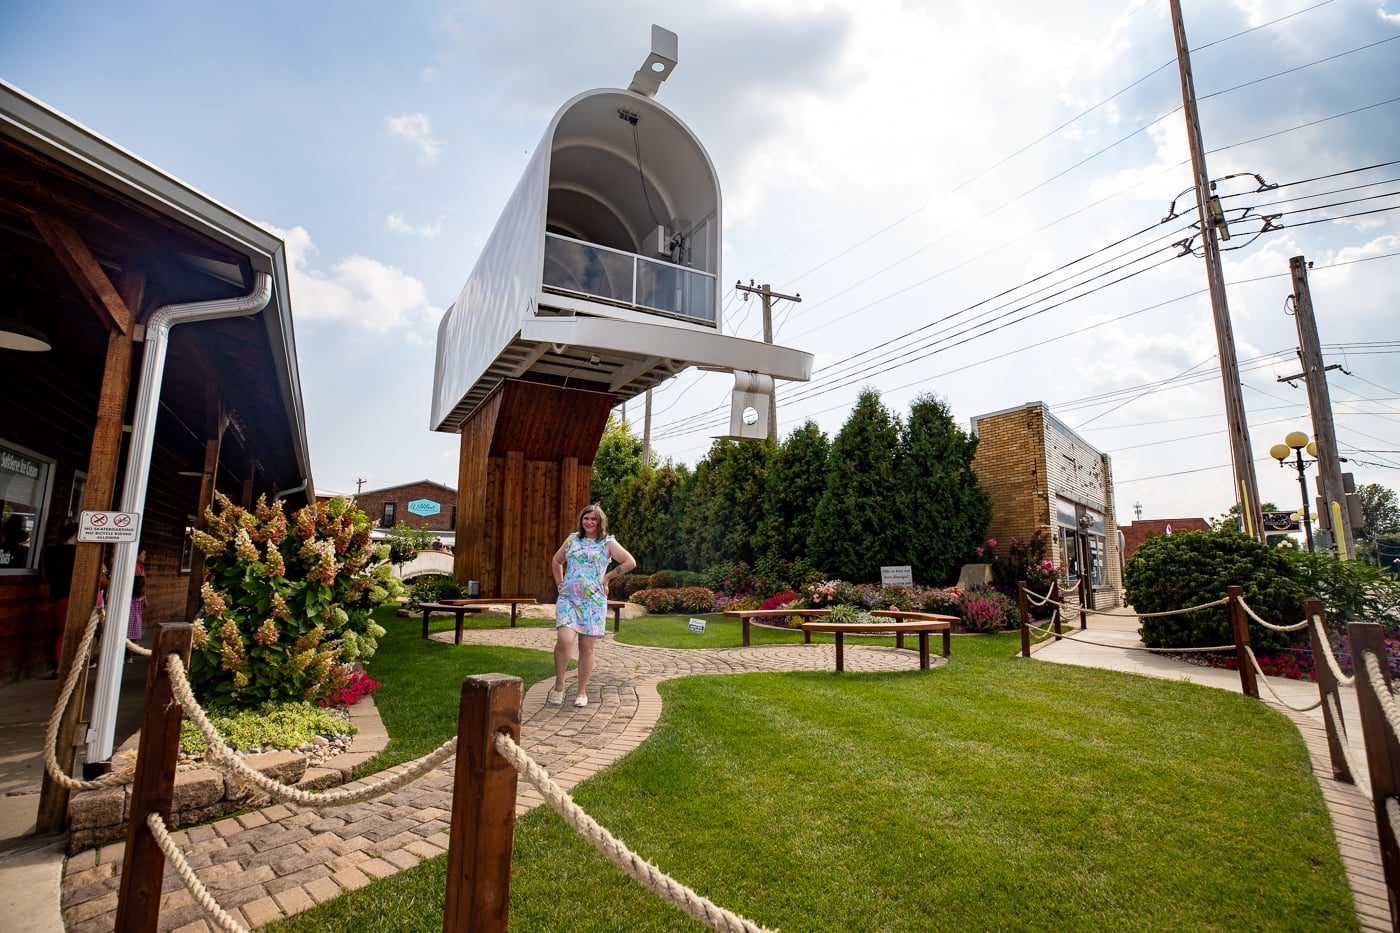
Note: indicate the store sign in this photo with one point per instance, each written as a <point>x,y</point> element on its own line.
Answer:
<point>1280,521</point>
<point>424,507</point>
<point>109,527</point>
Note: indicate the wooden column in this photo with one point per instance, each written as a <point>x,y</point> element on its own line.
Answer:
<point>103,460</point>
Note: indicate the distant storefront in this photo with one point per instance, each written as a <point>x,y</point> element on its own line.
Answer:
<point>424,504</point>
<point>1044,477</point>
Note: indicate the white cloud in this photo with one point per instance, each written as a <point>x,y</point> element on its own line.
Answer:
<point>417,129</point>
<point>397,224</point>
<point>357,290</point>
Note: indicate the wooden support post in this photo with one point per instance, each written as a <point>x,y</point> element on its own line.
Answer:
<point>482,834</point>
<point>1382,750</point>
<point>1327,688</point>
<point>1025,618</point>
<point>214,423</point>
<point>1239,625</point>
<point>1083,602</point>
<point>143,865</point>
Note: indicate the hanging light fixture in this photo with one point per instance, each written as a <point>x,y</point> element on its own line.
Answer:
<point>17,335</point>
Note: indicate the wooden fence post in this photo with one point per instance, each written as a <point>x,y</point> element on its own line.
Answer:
<point>143,865</point>
<point>1327,688</point>
<point>1382,749</point>
<point>482,835</point>
<point>1024,608</point>
<point>1239,625</point>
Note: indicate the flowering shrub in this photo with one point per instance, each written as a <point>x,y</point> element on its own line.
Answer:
<point>695,599</point>
<point>284,602</point>
<point>983,609</point>
<point>943,601</point>
<point>1029,561</point>
<point>780,601</point>
<point>348,686</point>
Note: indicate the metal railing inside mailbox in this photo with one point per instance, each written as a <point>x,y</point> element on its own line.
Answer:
<point>626,278</point>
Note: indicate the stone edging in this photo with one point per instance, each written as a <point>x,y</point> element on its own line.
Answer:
<point>96,817</point>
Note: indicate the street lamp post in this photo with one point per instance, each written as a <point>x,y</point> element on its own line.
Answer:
<point>1295,443</point>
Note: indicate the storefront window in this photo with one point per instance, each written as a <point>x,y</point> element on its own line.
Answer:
<point>25,480</point>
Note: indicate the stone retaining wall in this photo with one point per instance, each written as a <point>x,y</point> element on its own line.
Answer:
<point>97,817</point>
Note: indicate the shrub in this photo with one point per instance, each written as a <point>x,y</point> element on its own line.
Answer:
<point>1190,568</point>
<point>984,609</point>
<point>695,599</point>
<point>1029,561</point>
<point>847,613</point>
<point>942,600</point>
<point>348,686</point>
<point>1349,589</point>
<point>271,725</point>
<point>663,580</point>
<point>830,593</point>
<point>433,588</point>
<point>284,602</point>
<point>779,601</point>
<point>624,586</point>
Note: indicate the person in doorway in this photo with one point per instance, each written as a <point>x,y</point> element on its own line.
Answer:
<point>138,602</point>
<point>581,575</point>
<point>58,573</point>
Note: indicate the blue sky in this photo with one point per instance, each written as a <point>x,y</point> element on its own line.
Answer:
<point>897,163</point>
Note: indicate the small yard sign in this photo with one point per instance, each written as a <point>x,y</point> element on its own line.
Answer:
<point>896,576</point>
<point>696,625</point>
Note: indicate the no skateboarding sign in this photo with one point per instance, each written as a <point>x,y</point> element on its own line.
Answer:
<point>109,527</point>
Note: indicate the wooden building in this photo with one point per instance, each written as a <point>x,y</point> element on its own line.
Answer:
<point>134,307</point>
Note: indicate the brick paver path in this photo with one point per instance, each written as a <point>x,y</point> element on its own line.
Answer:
<point>274,862</point>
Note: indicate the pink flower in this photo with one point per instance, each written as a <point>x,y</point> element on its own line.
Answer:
<point>979,552</point>
<point>991,542</point>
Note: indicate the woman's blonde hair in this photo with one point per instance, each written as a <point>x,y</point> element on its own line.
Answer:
<point>596,509</point>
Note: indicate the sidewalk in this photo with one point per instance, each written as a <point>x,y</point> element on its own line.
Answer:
<point>275,862</point>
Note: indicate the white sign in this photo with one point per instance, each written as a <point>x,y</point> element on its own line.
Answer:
<point>109,527</point>
<point>696,625</point>
<point>896,576</point>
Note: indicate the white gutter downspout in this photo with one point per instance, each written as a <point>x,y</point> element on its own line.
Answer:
<point>138,467</point>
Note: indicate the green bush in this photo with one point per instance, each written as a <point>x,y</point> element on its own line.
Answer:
<point>433,588</point>
<point>284,602</point>
<point>663,580</point>
<point>1350,590</point>
<point>696,599</point>
<point>1190,568</point>
<point>271,725</point>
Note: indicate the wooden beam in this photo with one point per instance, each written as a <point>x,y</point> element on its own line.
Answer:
<point>75,257</point>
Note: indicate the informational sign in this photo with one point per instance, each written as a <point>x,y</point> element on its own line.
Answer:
<point>424,507</point>
<point>696,625</point>
<point>896,576</point>
<point>1280,521</point>
<point>109,527</point>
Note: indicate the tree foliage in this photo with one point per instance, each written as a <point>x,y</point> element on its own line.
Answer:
<point>646,518</point>
<point>1381,509</point>
<point>725,504</point>
<point>855,517</point>
<point>619,458</point>
<point>405,542</point>
<point>796,481</point>
<point>942,511</point>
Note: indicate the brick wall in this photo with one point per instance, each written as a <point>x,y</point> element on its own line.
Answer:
<point>1010,465</point>
<point>1134,533</point>
<point>372,502</point>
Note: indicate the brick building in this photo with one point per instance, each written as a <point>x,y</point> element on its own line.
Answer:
<point>1043,476</point>
<point>1134,533</point>
<point>424,504</point>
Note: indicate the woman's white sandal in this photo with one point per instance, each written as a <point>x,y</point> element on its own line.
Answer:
<point>581,700</point>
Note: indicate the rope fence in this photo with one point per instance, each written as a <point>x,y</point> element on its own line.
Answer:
<point>479,853</point>
<point>70,683</point>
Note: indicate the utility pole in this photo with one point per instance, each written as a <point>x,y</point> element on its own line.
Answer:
<point>1246,484</point>
<point>1314,374</point>
<point>359,484</point>
<point>646,433</point>
<point>767,294</point>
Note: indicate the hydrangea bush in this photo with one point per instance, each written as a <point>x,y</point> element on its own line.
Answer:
<point>285,602</point>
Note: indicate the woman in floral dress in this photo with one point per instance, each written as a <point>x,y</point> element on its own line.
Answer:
<point>581,575</point>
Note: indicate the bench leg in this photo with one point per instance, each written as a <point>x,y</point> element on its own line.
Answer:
<point>899,639</point>
<point>947,643</point>
<point>923,651</point>
<point>746,633</point>
<point>840,652</point>
<point>426,613</point>
<point>460,617</point>
<point>806,637</point>
<point>512,615</point>
<point>617,619</point>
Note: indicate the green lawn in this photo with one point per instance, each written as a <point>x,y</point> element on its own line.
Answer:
<point>995,793</point>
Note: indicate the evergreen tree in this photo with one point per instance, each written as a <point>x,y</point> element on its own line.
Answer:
<point>942,510</point>
<point>619,456</point>
<point>853,528</point>
<point>726,503</point>
<point>645,522</point>
<point>796,481</point>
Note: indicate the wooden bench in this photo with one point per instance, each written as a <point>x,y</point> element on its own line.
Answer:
<point>919,623</point>
<point>616,606</point>
<point>514,601</point>
<point>457,610</point>
<point>748,614</point>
